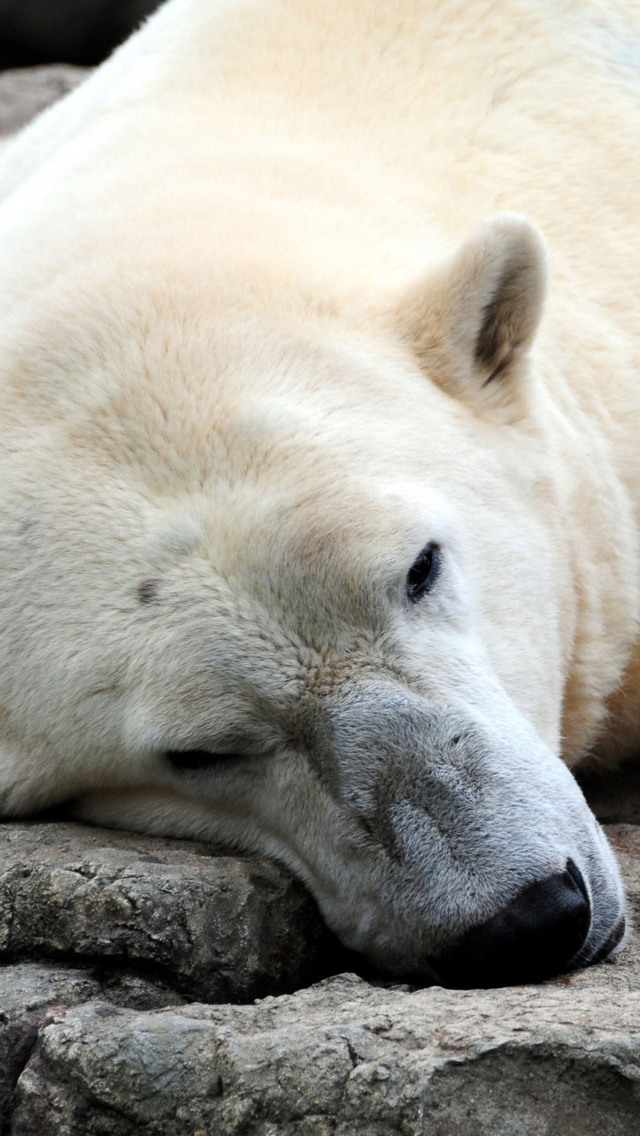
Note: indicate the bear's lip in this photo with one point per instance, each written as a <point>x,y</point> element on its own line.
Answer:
<point>606,950</point>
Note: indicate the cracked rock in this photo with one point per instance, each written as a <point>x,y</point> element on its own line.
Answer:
<point>344,1058</point>
<point>212,927</point>
<point>26,994</point>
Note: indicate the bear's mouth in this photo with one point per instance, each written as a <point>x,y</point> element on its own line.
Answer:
<point>607,948</point>
<point>514,947</point>
<point>538,935</point>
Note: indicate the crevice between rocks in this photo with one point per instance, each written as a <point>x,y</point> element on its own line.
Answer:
<point>21,1053</point>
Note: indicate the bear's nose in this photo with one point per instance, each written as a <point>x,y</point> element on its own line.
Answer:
<point>534,937</point>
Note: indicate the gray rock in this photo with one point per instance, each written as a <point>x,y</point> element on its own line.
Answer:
<point>24,93</point>
<point>31,992</point>
<point>26,994</point>
<point>213,927</point>
<point>345,1057</point>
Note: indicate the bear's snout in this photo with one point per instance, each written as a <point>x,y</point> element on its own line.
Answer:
<point>481,864</point>
<point>535,936</point>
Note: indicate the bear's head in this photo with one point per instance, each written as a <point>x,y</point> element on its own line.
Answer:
<point>312,587</point>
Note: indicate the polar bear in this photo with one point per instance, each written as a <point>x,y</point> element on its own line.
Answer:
<point>319,348</point>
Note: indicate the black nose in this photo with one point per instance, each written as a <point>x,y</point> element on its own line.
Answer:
<point>533,938</point>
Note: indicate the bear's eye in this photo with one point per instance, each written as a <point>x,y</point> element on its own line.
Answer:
<point>189,759</point>
<point>423,573</point>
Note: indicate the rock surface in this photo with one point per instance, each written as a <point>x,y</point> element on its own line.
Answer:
<point>217,928</point>
<point>23,94</point>
<point>347,1059</point>
<point>101,1049</point>
<point>98,1036</point>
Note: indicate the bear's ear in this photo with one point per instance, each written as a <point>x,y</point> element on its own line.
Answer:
<point>473,320</point>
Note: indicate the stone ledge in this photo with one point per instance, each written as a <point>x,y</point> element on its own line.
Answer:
<point>343,1058</point>
<point>213,927</point>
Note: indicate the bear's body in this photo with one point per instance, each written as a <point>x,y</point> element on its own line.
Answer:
<point>312,539</point>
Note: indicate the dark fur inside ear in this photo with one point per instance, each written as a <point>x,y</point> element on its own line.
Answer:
<point>497,338</point>
<point>472,322</point>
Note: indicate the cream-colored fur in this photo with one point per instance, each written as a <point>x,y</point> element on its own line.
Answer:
<point>292,291</point>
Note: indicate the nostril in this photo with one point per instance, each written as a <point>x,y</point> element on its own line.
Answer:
<point>534,937</point>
